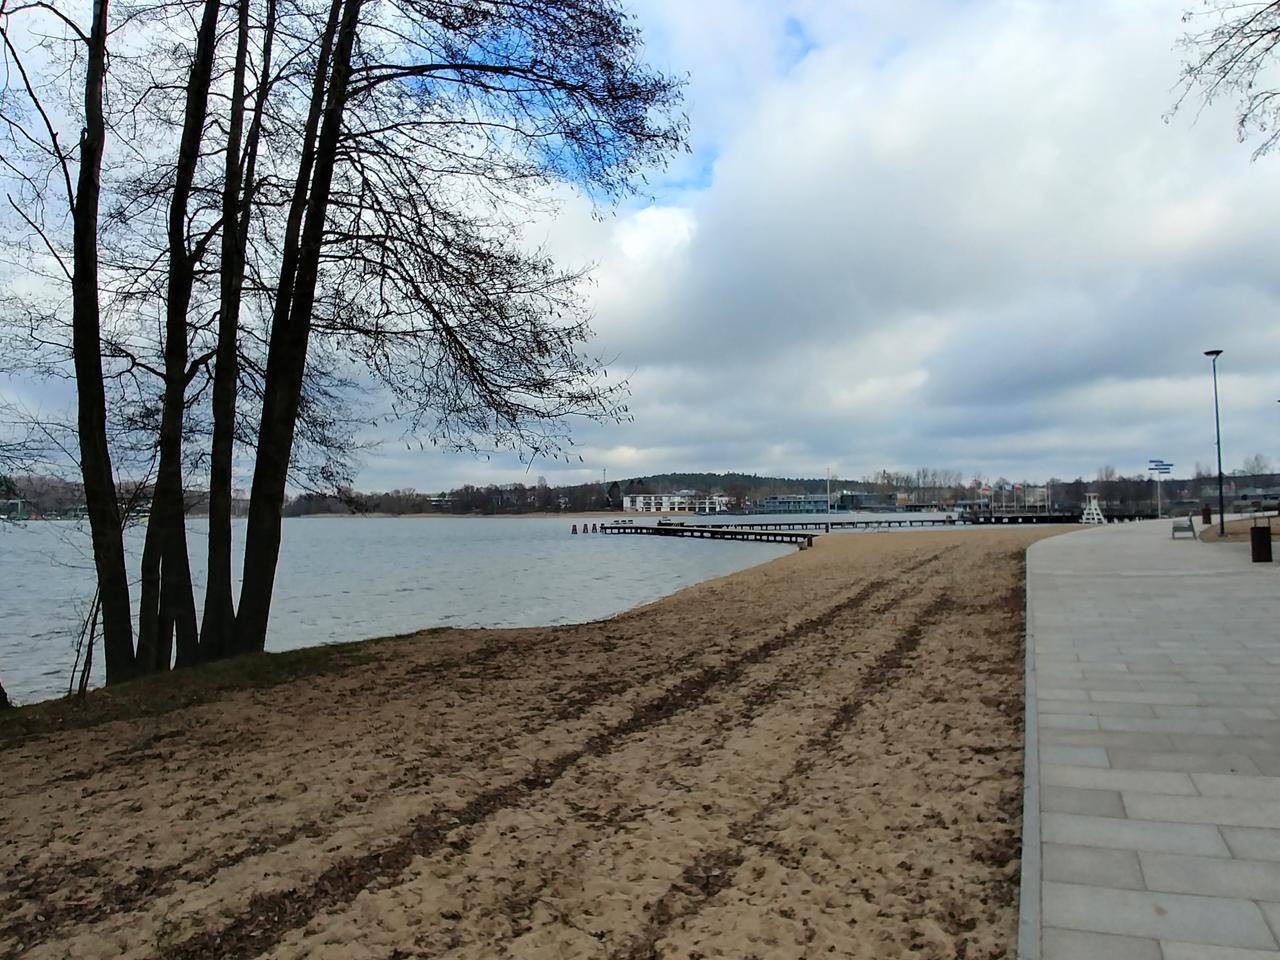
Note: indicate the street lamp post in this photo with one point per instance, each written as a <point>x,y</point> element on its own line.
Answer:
<point>1213,355</point>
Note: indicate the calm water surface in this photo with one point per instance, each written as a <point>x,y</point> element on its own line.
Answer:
<point>350,579</point>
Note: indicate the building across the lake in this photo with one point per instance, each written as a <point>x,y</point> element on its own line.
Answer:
<point>15,509</point>
<point>818,502</point>
<point>682,501</point>
<point>793,503</point>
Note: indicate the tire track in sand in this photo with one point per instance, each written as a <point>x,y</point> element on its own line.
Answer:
<point>116,898</point>
<point>73,880</point>
<point>712,872</point>
<point>647,783</point>
<point>268,917</point>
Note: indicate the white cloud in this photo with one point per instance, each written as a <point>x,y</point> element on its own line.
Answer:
<point>927,232</point>
<point>654,235</point>
<point>984,248</point>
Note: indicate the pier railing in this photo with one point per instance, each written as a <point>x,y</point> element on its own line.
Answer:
<point>802,532</point>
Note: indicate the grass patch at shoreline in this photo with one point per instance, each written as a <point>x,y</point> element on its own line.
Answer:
<point>161,693</point>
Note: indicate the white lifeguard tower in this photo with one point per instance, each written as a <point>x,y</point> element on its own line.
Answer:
<point>1092,512</point>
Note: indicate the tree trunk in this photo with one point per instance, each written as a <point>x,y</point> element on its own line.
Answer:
<point>218,626</point>
<point>167,523</point>
<point>290,328</point>
<point>82,687</point>
<point>177,598</point>
<point>164,642</point>
<point>149,611</point>
<point>95,457</point>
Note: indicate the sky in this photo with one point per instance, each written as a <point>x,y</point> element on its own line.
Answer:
<point>949,233</point>
<point>962,234</point>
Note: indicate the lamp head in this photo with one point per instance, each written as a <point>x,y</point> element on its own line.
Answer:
<point>1213,353</point>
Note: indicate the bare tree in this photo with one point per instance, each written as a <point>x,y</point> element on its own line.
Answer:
<point>347,188</point>
<point>62,183</point>
<point>1230,48</point>
<point>218,625</point>
<point>421,134</point>
<point>12,453</point>
<point>1256,465</point>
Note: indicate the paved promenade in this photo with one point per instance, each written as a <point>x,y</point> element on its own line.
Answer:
<point>1153,803</point>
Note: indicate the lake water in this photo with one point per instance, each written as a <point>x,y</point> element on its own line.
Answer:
<point>350,579</point>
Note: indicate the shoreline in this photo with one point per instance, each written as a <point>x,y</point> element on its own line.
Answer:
<point>542,515</point>
<point>843,721</point>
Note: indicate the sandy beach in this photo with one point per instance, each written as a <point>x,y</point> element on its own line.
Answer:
<point>817,757</point>
<point>1238,530</point>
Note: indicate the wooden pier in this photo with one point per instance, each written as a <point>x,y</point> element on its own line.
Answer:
<point>1003,518</point>
<point>825,525</point>
<point>891,522</point>
<point>999,518</point>
<point>802,540</point>
<point>802,532</point>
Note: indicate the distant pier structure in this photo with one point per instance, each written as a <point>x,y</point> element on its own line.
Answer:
<point>800,539</point>
<point>802,531</point>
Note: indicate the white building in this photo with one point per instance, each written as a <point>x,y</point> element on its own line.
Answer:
<point>682,502</point>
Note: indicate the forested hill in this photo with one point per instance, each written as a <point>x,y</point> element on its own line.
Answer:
<point>735,484</point>
<point>544,497</point>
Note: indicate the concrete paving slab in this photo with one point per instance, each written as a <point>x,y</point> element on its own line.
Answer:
<point>1166,916</point>
<point>1209,876</point>
<point>1167,725</point>
<point>1218,713</point>
<point>1112,738</point>
<point>1242,700</point>
<point>1272,913</point>
<point>1200,951</point>
<point>1226,811</point>
<point>1144,696</point>
<point>1096,709</point>
<point>1186,697</point>
<point>1082,945</point>
<point>1185,762</point>
<point>1075,756</point>
<point>1093,865</point>
<point>1249,727</point>
<point>1094,778</point>
<point>1092,803</point>
<point>1123,834</point>
<point>1068,721</point>
<point>1200,744</point>
<point>1253,843</point>
<point>1222,785</point>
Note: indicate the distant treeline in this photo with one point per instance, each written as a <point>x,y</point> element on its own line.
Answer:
<point>52,496</point>
<point>542,497</point>
<point>467,499</point>
<point>927,485</point>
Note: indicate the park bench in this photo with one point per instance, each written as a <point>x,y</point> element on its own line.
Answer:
<point>1183,525</point>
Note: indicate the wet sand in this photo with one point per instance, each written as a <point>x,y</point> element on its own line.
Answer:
<point>817,757</point>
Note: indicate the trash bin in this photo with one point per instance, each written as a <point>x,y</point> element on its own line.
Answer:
<point>1206,515</point>
<point>1260,544</point>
